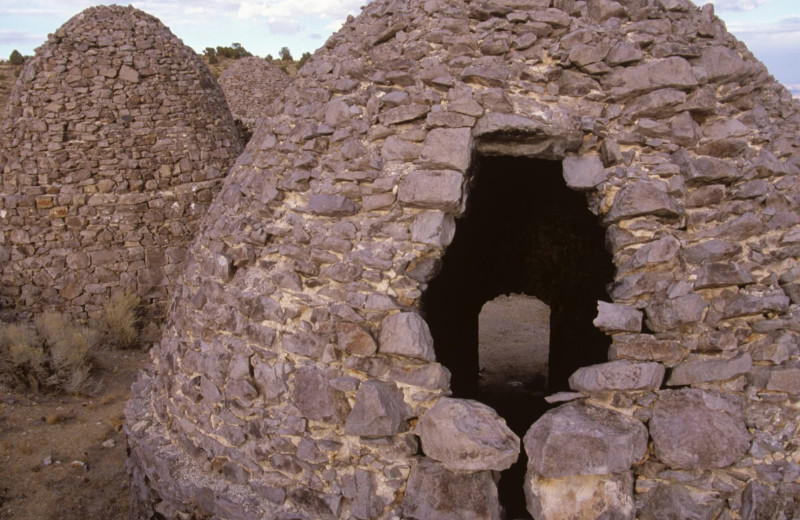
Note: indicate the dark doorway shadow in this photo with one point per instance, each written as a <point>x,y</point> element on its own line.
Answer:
<point>524,232</point>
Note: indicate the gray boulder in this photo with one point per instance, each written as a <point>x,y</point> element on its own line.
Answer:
<point>617,318</point>
<point>582,439</point>
<point>436,493</point>
<point>467,435</point>
<point>617,375</point>
<point>406,334</point>
<point>379,411</point>
<point>698,429</point>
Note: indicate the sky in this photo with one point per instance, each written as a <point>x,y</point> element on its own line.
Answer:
<point>769,28</point>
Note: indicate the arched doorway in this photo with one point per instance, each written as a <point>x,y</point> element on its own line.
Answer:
<point>525,232</point>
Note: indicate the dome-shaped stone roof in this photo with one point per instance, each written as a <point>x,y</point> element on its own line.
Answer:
<point>113,144</point>
<point>250,84</point>
<point>298,357</point>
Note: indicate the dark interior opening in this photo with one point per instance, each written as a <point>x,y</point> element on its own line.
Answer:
<point>524,232</point>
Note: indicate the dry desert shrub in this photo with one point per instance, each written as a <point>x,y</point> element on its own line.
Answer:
<point>54,354</point>
<point>120,320</point>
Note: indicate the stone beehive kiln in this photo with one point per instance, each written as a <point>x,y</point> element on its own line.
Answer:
<point>250,84</point>
<point>298,378</point>
<point>113,144</point>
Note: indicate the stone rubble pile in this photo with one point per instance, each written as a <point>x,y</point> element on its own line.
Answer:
<point>250,84</point>
<point>297,372</point>
<point>113,144</point>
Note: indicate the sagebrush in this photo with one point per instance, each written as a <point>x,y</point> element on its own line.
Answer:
<point>52,354</point>
<point>121,321</point>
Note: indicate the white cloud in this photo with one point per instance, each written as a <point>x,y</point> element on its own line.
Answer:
<point>16,37</point>
<point>292,9</point>
<point>738,5</point>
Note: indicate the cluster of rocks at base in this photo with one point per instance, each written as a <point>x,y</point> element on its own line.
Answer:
<point>113,144</point>
<point>296,374</point>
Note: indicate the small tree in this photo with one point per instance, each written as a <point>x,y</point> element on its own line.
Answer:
<point>303,59</point>
<point>211,54</point>
<point>16,58</point>
<point>269,58</point>
<point>286,54</point>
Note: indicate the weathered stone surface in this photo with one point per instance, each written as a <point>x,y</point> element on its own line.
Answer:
<point>694,428</point>
<point>448,148</point>
<point>406,334</point>
<point>353,339</point>
<point>582,497</point>
<point>702,369</point>
<point>435,493</point>
<point>722,274</point>
<point>675,501</point>
<point>642,198</point>
<point>584,172</point>
<point>433,227</point>
<point>673,72</point>
<point>379,411</point>
<point>617,318</point>
<point>669,314</point>
<point>617,375</point>
<point>438,189</point>
<point>465,435</point>
<point>313,394</point>
<point>331,205</point>
<point>581,439</point>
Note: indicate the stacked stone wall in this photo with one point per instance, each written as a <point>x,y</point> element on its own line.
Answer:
<point>250,85</point>
<point>297,377</point>
<point>113,144</point>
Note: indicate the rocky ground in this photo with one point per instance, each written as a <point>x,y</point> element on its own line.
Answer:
<point>63,456</point>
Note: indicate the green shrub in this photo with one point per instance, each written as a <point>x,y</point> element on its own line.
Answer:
<point>16,58</point>
<point>285,54</point>
<point>121,319</point>
<point>303,59</point>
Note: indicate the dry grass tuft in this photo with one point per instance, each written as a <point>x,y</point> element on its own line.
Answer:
<point>54,354</point>
<point>121,320</point>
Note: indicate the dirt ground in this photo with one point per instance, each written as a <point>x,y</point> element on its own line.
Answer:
<point>62,457</point>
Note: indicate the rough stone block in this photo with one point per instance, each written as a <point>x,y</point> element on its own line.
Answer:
<point>703,369</point>
<point>584,172</point>
<point>331,205</point>
<point>353,339</point>
<point>698,429</point>
<point>379,411</point>
<point>465,435</point>
<point>670,314</point>
<point>314,396</point>
<point>435,493</point>
<point>406,334</point>
<point>617,318</point>
<point>448,148</point>
<point>678,501</point>
<point>580,497</point>
<point>433,227</point>
<point>582,439</point>
<point>619,375</point>
<point>641,198</point>
<point>438,189</point>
